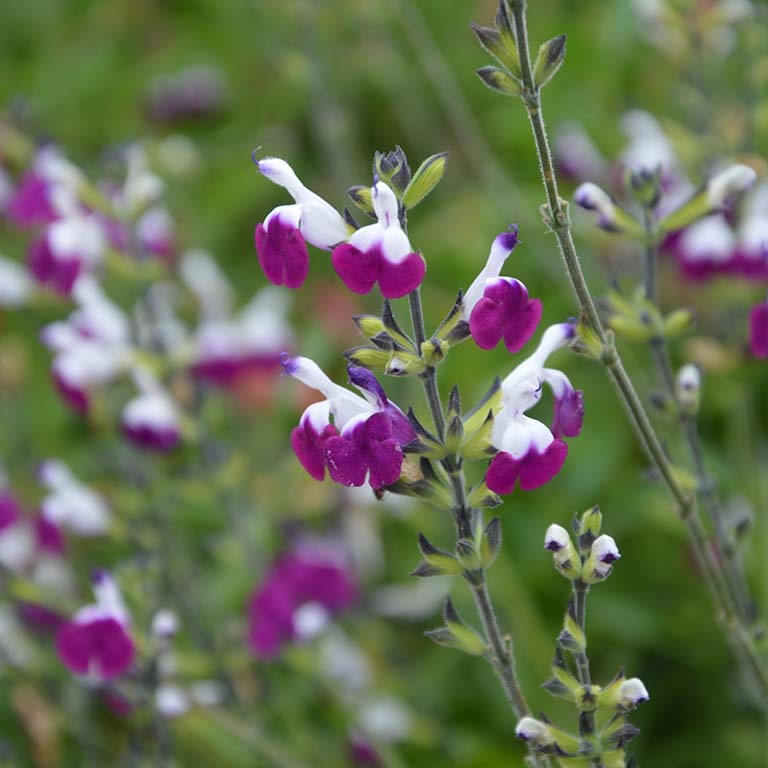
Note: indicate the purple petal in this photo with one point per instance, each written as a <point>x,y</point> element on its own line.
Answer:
<point>362,378</point>
<point>59,274</point>
<point>49,536</point>
<point>385,456</point>
<point>758,330</point>
<point>396,280</point>
<point>102,646</point>
<point>357,269</point>
<point>504,311</point>
<point>29,205</point>
<point>346,458</point>
<point>569,414</point>
<point>10,510</point>
<point>146,437</point>
<point>282,253</point>
<point>308,447</point>
<point>76,398</point>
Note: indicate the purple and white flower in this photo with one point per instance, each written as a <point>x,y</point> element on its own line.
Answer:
<point>300,592</point>
<point>281,240</point>
<point>97,641</point>
<point>499,307</point>
<point>632,692</point>
<point>592,198</point>
<point>151,420</point>
<point>70,503</point>
<point>366,438</point>
<point>72,244</point>
<point>530,453</point>
<point>32,202</point>
<point>92,347</point>
<point>380,253</point>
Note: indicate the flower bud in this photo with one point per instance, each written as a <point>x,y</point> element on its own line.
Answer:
<point>731,181</point>
<point>534,731</point>
<point>610,217</point>
<point>632,692</point>
<point>165,623</point>
<point>598,566</point>
<point>564,554</point>
<point>688,389</point>
<point>550,58</point>
<point>426,178</point>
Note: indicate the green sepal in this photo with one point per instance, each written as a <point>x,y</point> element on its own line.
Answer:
<point>402,363</point>
<point>394,329</point>
<point>572,637</point>
<point>426,444</point>
<point>362,197</point>
<point>482,497</point>
<point>468,555</point>
<point>587,529</point>
<point>490,544</point>
<point>501,46</point>
<point>392,168</point>
<point>477,417</point>
<point>369,326</point>
<point>550,58</point>
<point>478,445</point>
<point>456,634</point>
<point>426,178</point>
<point>437,562</point>
<point>500,80</point>
<point>686,214</point>
<point>373,359</point>
<point>678,322</point>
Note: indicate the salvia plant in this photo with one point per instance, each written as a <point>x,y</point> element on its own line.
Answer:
<point>148,346</point>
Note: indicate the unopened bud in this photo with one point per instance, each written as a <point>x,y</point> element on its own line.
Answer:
<point>564,554</point>
<point>632,692</point>
<point>556,538</point>
<point>534,731</point>
<point>688,389</point>
<point>731,181</point>
<point>598,566</point>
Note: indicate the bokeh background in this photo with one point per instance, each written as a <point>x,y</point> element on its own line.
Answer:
<point>323,84</point>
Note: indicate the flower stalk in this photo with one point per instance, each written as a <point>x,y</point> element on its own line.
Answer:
<point>555,213</point>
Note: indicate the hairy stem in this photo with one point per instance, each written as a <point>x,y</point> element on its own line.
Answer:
<point>556,216</point>
<point>500,656</point>
<point>725,550</point>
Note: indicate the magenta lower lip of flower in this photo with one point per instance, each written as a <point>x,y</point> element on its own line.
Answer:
<point>30,205</point>
<point>504,311</point>
<point>58,273</point>
<point>532,470</point>
<point>101,647</point>
<point>10,510</point>
<point>296,579</point>
<point>365,451</point>
<point>360,270</point>
<point>282,250</point>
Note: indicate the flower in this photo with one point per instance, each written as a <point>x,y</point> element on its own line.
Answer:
<point>758,330</point>
<point>97,641</point>
<point>632,692</point>
<point>281,240</point>
<point>70,503</point>
<point>312,578</point>
<point>365,440</point>
<point>151,420</point>
<point>32,202</point>
<point>228,346</point>
<point>17,541</point>
<point>530,452</point>
<point>380,252</point>
<point>92,347</point>
<point>499,307</point>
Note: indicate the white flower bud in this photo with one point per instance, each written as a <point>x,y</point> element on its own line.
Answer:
<point>309,620</point>
<point>165,623</point>
<point>604,549</point>
<point>730,181</point>
<point>632,692</point>
<point>171,700</point>
<point>593,198</point>
<point>538,733</point>
<point>556,538</point>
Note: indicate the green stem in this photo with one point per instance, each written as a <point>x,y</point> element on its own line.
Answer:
<point>725,551</point>
<point>557,218</point>
<point>501,656</point>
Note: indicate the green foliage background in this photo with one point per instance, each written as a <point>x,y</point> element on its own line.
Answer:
<point>323,84</point>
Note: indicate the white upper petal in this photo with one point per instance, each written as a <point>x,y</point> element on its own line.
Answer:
<point>709,239</point>
<point>498,255</point>
<point>16,286</point>
<point>395,245</point>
